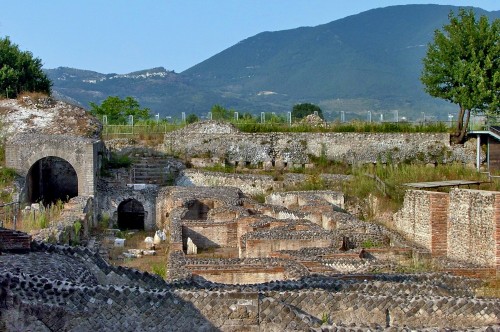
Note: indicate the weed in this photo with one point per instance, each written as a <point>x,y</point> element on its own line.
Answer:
<point>159,269</point>
<point>370,244</point>
<point>325,319</point>
<point>260,198</point>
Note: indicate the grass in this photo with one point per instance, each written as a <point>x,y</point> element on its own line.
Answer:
<point>394,176</point>
<point>153,264</point>
<point>33,220</point>
<point>153,132</point>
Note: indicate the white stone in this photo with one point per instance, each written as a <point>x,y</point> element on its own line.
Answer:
<point>149,252</point>
<point>119,242</point>
<point>137,252</point>
<point>192,249</point>
<point>159,237</point>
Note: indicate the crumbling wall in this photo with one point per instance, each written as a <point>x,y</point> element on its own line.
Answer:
<point>295,149</point>
<point>247,183</point>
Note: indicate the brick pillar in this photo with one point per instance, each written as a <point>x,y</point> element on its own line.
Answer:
<point>439,206</point>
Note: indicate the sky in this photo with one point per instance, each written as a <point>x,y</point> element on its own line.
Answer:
<point>122,36</point>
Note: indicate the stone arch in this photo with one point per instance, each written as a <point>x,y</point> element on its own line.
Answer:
<point>50,179</point>
<point>131,214</point>
<point>24,150</point>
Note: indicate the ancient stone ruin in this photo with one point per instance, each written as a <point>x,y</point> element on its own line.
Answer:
<point>297,261</point>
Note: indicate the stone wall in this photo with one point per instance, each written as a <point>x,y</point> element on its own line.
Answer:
<point>111,196</point>
<point>463,225</point>
<point>474,227</point>
<point>22,151</point>
<point>207,235</point>
<point>423,219</point>
<point>247,183</point>
<point>294,149</point>
<point>264,247</point>
<point>294,199</point>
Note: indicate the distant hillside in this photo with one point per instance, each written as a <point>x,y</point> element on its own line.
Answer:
<point>369,61</point>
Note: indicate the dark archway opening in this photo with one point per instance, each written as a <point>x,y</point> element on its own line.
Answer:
<point>131,215</point>
<point>51,179</point>
<point>198,210</point>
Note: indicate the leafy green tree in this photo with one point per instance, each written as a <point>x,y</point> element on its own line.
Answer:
<point>221,113</point>
<point>462,66</point>
<point>117,110</point>
<point>20,71</point>
<point>300,111</point>
<point>192,118</point>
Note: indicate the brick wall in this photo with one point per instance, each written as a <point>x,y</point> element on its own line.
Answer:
<point>463,225</point>
<point>11,240</point>
<point>439,204</point>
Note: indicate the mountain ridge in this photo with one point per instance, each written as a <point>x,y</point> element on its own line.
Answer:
<point>367,61</point>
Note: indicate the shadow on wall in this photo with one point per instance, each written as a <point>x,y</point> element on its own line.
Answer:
<point>201,241</point>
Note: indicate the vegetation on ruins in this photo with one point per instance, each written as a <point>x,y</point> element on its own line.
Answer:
<point>462,66</point>
<point>300,111</point>
<point>118,111</point>
<point>20,71</point>
<point>192,118</point>
<point>221,113</point>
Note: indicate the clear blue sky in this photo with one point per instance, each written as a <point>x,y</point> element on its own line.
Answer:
<point>121,36</point>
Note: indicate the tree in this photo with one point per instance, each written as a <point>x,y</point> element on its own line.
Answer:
<point>20,71</point>
<point>300,111</point>
<point>462,66</point>
<point>117,110</point>
<point>192,118</point>
<point>221,113</point>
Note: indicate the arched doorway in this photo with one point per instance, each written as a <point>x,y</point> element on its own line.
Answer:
<point>51,179</point>
<point>131,214</point>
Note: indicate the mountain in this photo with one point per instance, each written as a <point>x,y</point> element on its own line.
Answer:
<point>369,61</point>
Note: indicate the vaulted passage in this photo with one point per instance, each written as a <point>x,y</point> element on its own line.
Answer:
<point>131,215</point>
<point>51,179</point>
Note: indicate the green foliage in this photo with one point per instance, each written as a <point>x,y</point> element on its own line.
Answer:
<point>77,226</point>
<point>7,175</point>
<point>354,126</point>
<point>221,113</point>
<point>462,65</point>
<point>159,269</point>
<point>118,161</point>
<point>300,111</point>
<point>20,71</point>
<point>370,244</point>
<point>118,110</point>
<point>192,118</point>
<point>325,318</point>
